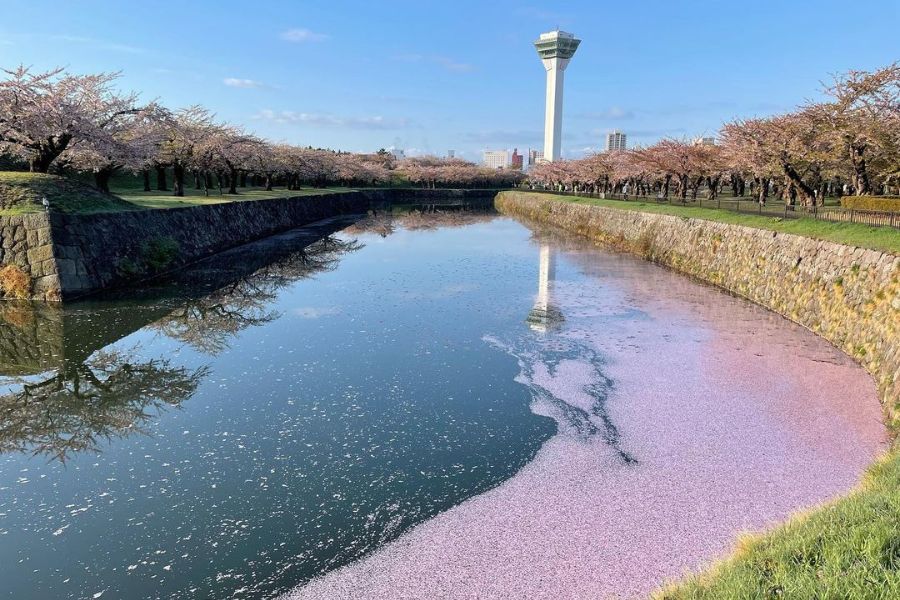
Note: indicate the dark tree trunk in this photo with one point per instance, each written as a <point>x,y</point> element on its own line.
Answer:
<point>762,189</point>
<point>47,152</point>
<point>268,182</point>
<point>178,179</point>
<point>683,182</point>
<point>712,187</point>
<point>860,172</point>
<point>207,178</point>
<point>696,189</point>
<point>197,184</point>
<point>101,179</point>
<point>232,181</point>
<point>41,162</point>
<point>799,186</point>
<point>145,173</point>
<point>243,179</point>
<point>790,196</point>
<point>161,183</point>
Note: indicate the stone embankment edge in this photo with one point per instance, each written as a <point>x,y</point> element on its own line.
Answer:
<point>67,256</point>
<point>849,296</point>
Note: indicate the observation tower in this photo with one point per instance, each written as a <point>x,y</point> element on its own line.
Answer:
<point>556,49</point>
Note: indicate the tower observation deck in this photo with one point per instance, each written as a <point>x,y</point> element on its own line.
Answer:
<point>555,49</point>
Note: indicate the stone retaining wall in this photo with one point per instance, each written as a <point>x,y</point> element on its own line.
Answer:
<point>70,255</point>
<point>102,250</point>
<point>850,296</point>
<point>27,243</point>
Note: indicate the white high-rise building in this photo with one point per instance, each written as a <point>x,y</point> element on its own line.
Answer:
<point>616,140</point>
<point>534,157</point>
<point>555,48</point>
<point>495,159</point>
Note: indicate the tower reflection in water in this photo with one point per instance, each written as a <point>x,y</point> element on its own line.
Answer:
<point>545,316</point>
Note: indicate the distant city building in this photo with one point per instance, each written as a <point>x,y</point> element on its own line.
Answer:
<point>451,153</point>
<point>398,153</point>
<point>534,157</point>
<point>516,160</point>
<point>705,141</point>
<point>616,140</point>
<point>495,159</point>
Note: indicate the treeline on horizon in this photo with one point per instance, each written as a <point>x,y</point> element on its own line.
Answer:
<point>848,144</point>
<point>64,123</point>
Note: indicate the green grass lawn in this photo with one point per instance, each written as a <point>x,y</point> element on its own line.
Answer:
<point>194,197</point>
<point>847,549</point>
<point>853,234</point>
<point>22,193</point>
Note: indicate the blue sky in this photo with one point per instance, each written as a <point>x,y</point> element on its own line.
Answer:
<point>458,74</point>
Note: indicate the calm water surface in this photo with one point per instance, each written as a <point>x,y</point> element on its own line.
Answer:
<point>284,409</point>
<point>274,413</point>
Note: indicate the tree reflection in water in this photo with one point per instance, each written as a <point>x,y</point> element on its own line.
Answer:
<point>67,390</point>
<point>207,323</point>
<point>110,395</point>
<point>385,223</point>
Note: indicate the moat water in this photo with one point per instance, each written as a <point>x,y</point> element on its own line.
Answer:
<point>419,406</point>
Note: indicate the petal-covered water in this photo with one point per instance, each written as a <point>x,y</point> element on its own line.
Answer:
<point>412,408</point>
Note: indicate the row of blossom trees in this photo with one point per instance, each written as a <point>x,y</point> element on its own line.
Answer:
<point>62,121</point>
<point>846,144</point>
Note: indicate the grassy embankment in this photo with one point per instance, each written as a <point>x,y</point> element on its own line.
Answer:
<point>847,548</point>
<point>22,193</point>
<point>852,234</point>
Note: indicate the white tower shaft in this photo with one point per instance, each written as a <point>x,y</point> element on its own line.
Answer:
<point>556,71</point>
<point>545,276</point>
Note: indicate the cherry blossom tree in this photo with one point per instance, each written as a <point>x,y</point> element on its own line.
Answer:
<point>43,114</point>
<point>185,137</point>
<point>852,123</point>
<point>129,143</point>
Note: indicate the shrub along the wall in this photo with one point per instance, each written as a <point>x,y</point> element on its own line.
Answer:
<point>14,283</point>
<point>891,203</point>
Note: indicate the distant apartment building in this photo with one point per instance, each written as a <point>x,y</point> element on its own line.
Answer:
<point>495,159</point>
<point>616,140</point>
<point>534,157</point>
<point>516,160</point>
<point>451,153</point>
<point>705,141</point>
<point>398,153</point>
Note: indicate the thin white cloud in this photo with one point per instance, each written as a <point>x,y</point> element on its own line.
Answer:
<point>499,136</point>
<point>242,83</point>
<point>99,44</point>
<point>331,121</point>
<point>443,61</point>
<point>541,14</point>
<point>613,113</point>
<point>300,35</point>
